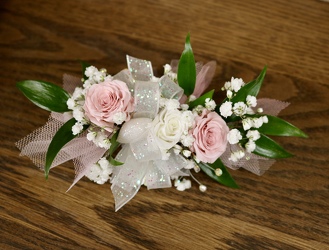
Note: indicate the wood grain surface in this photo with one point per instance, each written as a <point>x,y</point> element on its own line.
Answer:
<point>287,208</point>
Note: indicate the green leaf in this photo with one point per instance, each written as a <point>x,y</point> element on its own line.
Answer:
<point>232,118</point>
<point>62,136</point>
<point>280,127</point>
<point>84,66</point>
<point>186,72</point>
<point>114,146</point>
<point>45,95</point>
<point>114,162</point>
<point>225,179</point>
<point>268,148</point>
<point>252,88</point>
<point>114,143</point>
<point>201,100</point>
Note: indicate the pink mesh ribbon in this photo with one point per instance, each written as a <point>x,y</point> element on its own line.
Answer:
<point>251,162</point>
<point>83,152</point>
<point>255,163</point>
<point>271,106</point>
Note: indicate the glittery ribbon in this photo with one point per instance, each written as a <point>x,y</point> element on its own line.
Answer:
<point>141,155</point>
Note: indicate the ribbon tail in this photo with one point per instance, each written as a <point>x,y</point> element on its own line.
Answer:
<point>175,164</point>
<point>127,181</point>
<point>159,172</point>
<point>89,154</point>
<point>156,177</point>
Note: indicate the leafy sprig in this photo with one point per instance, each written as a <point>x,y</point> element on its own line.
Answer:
<point>45,95</point>
<point>50,97</point>
<point>265,146</point>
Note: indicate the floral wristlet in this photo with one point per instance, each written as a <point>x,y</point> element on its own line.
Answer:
<point>135,129</point>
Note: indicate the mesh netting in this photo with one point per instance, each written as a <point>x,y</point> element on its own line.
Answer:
<point>251,162</point>
<point>271,106</point>
<point>83,152</point>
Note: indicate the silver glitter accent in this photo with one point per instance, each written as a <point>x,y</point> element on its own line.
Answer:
<point>146,99</point>
<point>157,177</point>
<point>141,70</point>
<point>170,89</point>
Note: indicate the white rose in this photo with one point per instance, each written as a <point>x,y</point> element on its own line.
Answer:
<point>167,128</point>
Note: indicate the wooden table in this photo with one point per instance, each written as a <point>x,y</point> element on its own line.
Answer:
<point>287,208</point>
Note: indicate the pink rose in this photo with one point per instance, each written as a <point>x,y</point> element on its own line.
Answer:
<point>210,134</point>
<point>105,101</point>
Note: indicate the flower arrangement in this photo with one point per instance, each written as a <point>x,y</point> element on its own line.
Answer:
<point>135,129</point>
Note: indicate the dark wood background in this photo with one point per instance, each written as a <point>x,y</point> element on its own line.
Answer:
<point>287,208</point>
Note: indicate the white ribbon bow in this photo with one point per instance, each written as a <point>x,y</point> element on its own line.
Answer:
<point>140,154</point>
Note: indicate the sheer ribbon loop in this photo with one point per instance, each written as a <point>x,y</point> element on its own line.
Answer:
<point>169,89</point>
